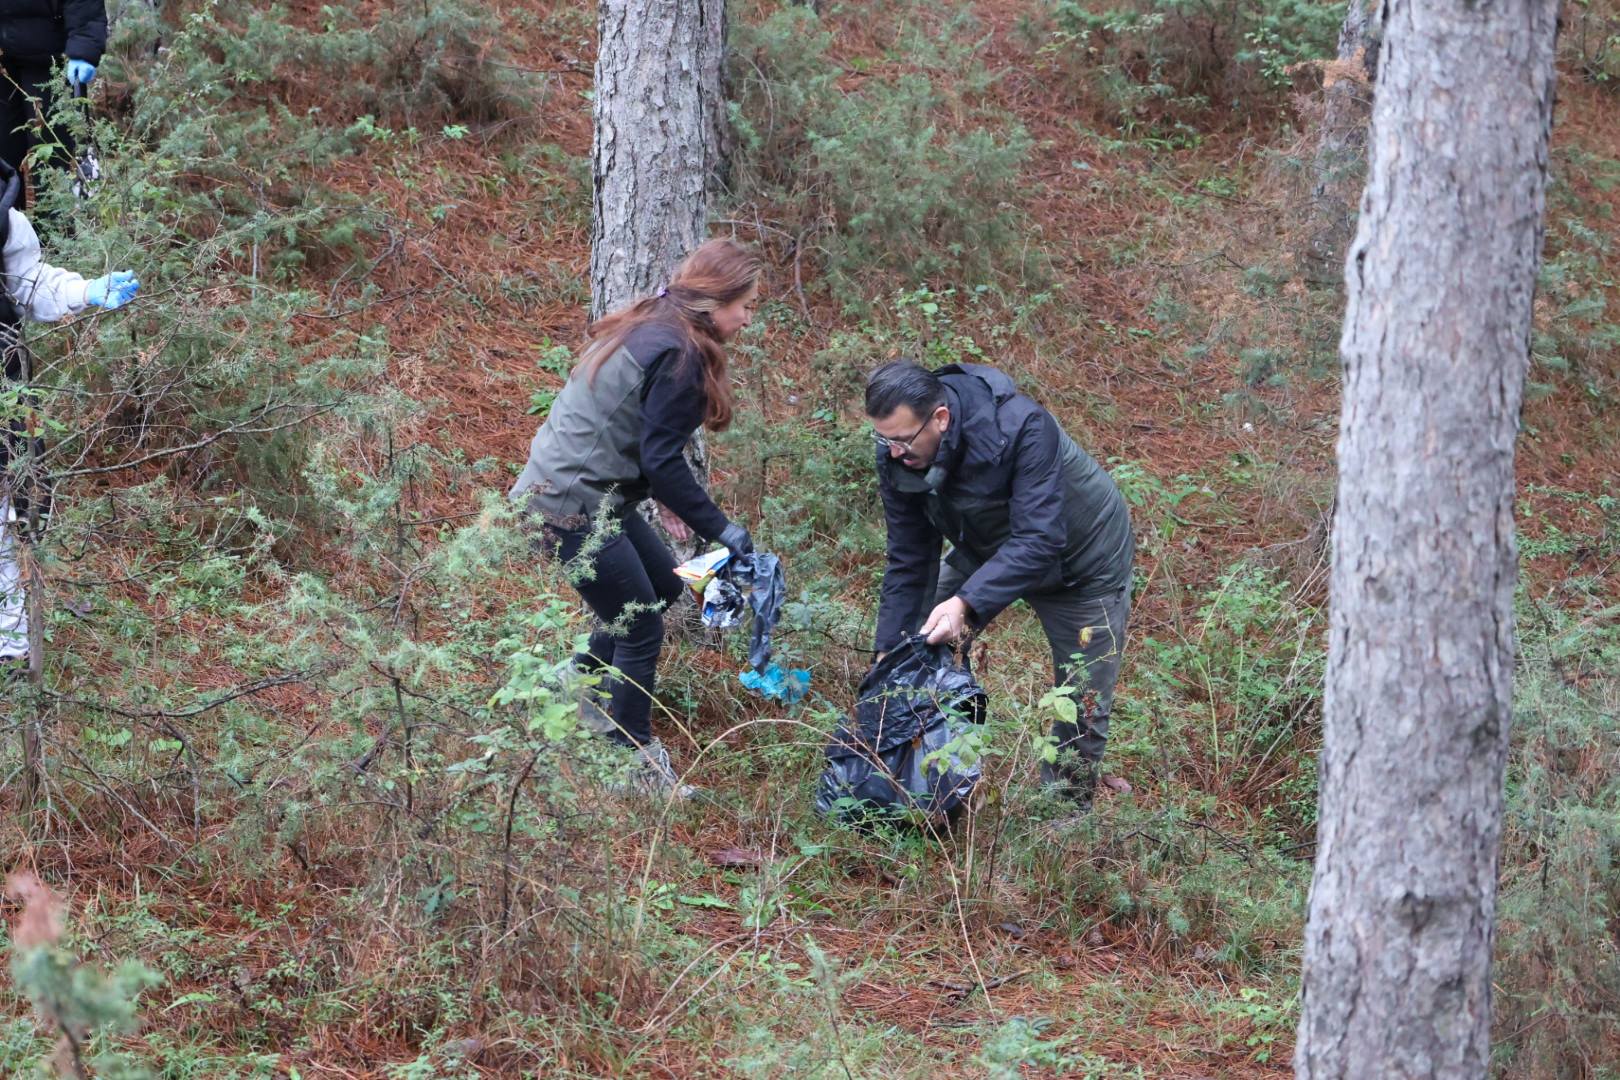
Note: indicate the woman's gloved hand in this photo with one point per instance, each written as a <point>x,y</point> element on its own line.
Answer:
<point>80,72</point>
<point>737,540</point>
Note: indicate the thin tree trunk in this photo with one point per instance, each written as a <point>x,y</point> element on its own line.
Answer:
<point>1440,282</point>
<point>659,147</point>
<point>34,733</point>
<point>1341,147</point>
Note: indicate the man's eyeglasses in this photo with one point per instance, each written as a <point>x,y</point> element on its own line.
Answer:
<point>904,444</point>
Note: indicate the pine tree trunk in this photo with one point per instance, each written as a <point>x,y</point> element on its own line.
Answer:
<point>1440,283</point>
<point>659,114</point>
<point>659,147</point>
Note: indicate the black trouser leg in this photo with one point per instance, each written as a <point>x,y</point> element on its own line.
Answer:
<point>28,92</point>
<point>16,121</point>
<point>627,582</point>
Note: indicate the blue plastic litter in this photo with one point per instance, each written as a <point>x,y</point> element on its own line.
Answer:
<point>778,685</point>
<point>732,585</point>
<point>760,578</point>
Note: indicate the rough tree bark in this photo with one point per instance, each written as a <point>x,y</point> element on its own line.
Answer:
<point>659,112</point>
<point>1440,281</point>
<point>659,147</point>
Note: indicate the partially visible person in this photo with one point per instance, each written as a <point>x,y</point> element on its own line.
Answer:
<point>652,373</point>
<point>964,458</point>
<point>35,35</point>
<point>33,290</point>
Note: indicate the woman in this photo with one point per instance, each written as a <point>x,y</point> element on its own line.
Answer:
<point>651,374</point>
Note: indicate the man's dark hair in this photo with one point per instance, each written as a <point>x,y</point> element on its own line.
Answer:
<point>903,382</point>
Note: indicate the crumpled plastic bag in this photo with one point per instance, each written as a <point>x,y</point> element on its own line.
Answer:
<point>730,585</point>
<point>760,576</point>
<point>723,604</point>
<point>914,703</point>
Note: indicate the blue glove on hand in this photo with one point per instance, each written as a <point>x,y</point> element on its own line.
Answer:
<point>112,290</point>
<point>80,72</point>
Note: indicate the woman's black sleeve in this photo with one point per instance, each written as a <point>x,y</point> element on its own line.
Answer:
<point>671,411</point>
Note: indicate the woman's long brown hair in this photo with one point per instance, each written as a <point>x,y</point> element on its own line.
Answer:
<point>718,273</point>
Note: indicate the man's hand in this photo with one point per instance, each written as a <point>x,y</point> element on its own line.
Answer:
<point>678,530</point>
<point>947,622</point>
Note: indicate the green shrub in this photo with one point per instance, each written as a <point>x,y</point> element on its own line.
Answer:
<point>77,1006</point>
<point>1178,881</point>
<point>245,510</point>
<point>1589,41</point>
<point>416,63</point>
<point>1557,967</point>
<point>1248,680</point>
<point>1576,332</point>
<point>1159,58</point>
<point>875,178</point>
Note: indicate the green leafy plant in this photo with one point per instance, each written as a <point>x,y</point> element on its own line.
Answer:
<point>1268,1018</point>
<point>556,361</point>
<point>1555,965</point>
<point>1253,667</point>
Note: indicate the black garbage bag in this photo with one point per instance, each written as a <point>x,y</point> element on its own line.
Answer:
<point>913,702</point>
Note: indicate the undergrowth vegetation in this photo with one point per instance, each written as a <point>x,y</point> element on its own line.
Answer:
<point>1151,59</point>
<point>314,793</point>
<point>908,175</point>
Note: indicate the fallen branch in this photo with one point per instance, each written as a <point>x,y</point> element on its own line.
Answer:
<point>961,991</point>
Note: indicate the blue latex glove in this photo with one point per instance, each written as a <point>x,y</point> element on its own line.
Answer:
<point>80,72</point>
<point>112,290</point>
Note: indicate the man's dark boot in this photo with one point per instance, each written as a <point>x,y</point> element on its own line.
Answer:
<point>1074,781</point>
<point>1071,777</point>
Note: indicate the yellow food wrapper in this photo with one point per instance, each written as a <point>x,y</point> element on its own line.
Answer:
<point>699,570</point>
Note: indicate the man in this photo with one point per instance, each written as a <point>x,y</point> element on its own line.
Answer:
<point>34,35</point>
<point>963,457</point>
